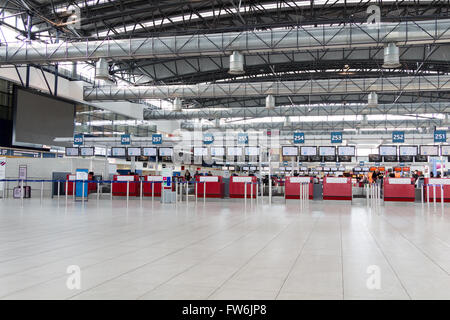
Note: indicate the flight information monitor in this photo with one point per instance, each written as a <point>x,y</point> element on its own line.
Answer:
<point>165,152</point>
<point>87,151</point>
<point>200,151</point>
<point>134,152</point>
<point>346,151</point>
<point>289,151</point>
<point>251,151</point>
<point>445,150</point>
<point>118,152</point>
<point>72,152</point>
<point>234,151</point>
<point>408,150</point>
<point>217,151</point>
<point>149,152</point>
<point>308,151</point>
<point>327,151</point>
<point>99,151</point>
<point>429,150</point>
<point>387,150</point>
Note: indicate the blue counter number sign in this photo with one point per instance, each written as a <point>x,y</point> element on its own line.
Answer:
<point>208,138</point>
<point>440,136</point>
<point>336,137</point>
<point>78,139</point>
<point>242,138</point>
<point>156,138</point>
<point>299,137</point>
<point>125,139</point>
<point>398,136</point>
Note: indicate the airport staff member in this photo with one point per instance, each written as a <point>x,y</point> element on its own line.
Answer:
<point>187,175</point>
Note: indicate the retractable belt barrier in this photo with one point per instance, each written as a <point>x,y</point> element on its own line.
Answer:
<point>373,194</point>
<point>433,186</point>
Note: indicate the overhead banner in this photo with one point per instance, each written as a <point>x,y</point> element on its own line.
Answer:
<point>299,137</point>
<point>2,173</point>
<point>398,137</point>
<point>336,137</point>
<point>156,138</point>
<point>242,138</point>
<point>208,138</point>
<point>440,136</point>
<point>78,139</point>
<point>125,139</point>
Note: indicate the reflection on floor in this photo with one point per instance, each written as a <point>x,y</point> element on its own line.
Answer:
<point>223,250</point>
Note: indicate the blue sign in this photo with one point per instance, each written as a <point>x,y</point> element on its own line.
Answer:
<point>299,137</point>
<point>78,139</point>
<point>81,175</point>
<point>336,137</point>
<point>440,136</point>
<point>398,136</point>
<point>401,164</point>
<point>125,139</point>
<point>156,138</point>
<point>242,138</point>
<point>377,164</point>
<point>361,163</point>
<point>208,138</point>
<point>338,164</point>
<point>322,164</point>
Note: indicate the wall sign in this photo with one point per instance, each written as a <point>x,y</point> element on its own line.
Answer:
<point>398,136</point>
<point>125,139</point>
<point>2,173</point>
<point>440,136</point>
<point>242,138</point>
<point>78,139</point>
<point>156,138</point>
<point>299,137</point>
<point>208,138</point>
<point>336,137</point>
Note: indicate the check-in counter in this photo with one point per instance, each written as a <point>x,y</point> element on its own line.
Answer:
<point>237,187</point>
<point>152,182</point>
<point>120,189</point>
<point>337,188</point>
<point>292,187</point>
<point>212,186</point>
<point>399,189</point>
<point>439,183</point>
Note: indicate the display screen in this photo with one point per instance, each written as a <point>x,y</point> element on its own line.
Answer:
<point>218,151</point>
<point>390,158</point>
<point>134,152</point>
<point>429,150</point>
<point>365,169</point>
<point>326,168</point>
<point>314,158</point>
<point>234,151</point>
<point>445,150</point>
<point>251,151</point>
<point>200,152</point>
<point>245,168</point>
<point>118,152</point>
<point>99,151</point>
<point>72,152</point>
<point>308,151</point>
<point>356,169</point>
<point>345,158</point>
<point>289,151</point>
<point>304,168</point>
<point>388,150</point>
<point>406,158</point>
<point>421,158</point>
<point>346,151</point>
<point>231,168</point>
<point>253,168</point>
<point>303,158</point>
<point>327,151</point>
<point>166,152</point>
<point>149,152</point>
<point>375,157</point>
<point>408,150</point>
<point>330,158</point>
<point>38,119</point>
<point>87,151</point>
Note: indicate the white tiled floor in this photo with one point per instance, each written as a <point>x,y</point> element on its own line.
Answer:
<point>221,250</point>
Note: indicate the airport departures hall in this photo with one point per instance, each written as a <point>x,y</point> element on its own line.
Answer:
<point>224,150</point>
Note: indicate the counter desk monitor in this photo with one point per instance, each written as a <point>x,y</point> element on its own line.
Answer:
<point>304,169</point>
<point>365,169</point>
<point>231,168</point>
<point>375,158</point>
<point>118,152</point>
<point>429,151</point>
<point>303,158</point>
<point>334,169</point>
<point>315,159</point>
<point>345,158</point>
<point>245,168</point>
<point>288,151</point>
<point>326,169</point>
<point>134,152</point>
<point>87,151</point>
<point>421,158</point>
<point>346,151</point>
<point>253,168</point>
<point>327,151</point>
<point>149,151</point>
<point>72,152</point>
<point>357,169</point>
<point>308,151</point>
<point>165,152</point>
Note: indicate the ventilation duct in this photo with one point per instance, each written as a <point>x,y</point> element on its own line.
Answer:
<point>372,99</point>
<point>270,102</point>
<point>391,56</point>
<point>177,104</point>
<point>236,63</point>
<point>217,123</point>
<point>365,121</point>
<point>102,69</point>
<point>287,122</point>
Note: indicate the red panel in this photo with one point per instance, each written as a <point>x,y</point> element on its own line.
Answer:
<point>120,188</point>
<point>147,188</point>
<point>337,191</point>
<point>213,189</point>
<point>398,192</point>
<point>237,189</point>
<point>70,186</point>
<point>292,190</point>
<point>430,191</point>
